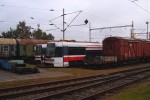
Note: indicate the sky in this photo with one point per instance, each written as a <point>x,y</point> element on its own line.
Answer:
<point>99,13</point>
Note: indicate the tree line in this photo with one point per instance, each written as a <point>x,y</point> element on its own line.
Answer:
<point>24,32</point>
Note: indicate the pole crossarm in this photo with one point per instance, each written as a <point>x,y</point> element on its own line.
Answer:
<point>111,27</point>
<point>56,26</point>
<point>65,25</point>
<point>90,29</point>
<point>77,25</point>
<point>140,33</point>
<point>73,20</point>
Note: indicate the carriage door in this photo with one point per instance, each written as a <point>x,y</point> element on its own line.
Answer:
<point>65,56</point>
<point>111,47</point>
<point>0,51</point>
<point>12,50</point>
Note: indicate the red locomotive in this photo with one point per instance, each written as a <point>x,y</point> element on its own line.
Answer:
<point>122,50</point>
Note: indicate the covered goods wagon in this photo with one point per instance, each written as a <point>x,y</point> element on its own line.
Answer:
<point>120,50</point>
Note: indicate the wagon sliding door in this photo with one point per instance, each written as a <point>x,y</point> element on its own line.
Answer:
<point>134,51</point>
<point>112,47</point>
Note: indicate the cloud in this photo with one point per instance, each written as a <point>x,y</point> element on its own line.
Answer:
<point>100,13</point>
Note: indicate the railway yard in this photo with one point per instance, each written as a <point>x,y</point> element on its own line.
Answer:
<point>71,70</point>
<point>54,58</point>
<point>70,83</point>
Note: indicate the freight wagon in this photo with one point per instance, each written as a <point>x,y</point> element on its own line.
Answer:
<point>119,50</point>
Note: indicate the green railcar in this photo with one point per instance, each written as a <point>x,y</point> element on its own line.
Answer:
<point>26,48</point>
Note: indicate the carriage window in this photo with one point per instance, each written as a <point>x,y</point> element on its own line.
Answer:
<point>94,52</point>
<point>65,50</point>
<point>58,52</point>
<point>34,48</point>
<point>44,50</point>
<point>24,47</point>
<point>38,49</point>
<point>76,51</point>
<point>5,48</point>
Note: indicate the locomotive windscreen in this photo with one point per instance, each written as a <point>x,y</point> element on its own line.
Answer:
<point>50,52</point>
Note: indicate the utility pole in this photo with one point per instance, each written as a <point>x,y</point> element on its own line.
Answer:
<point>132,30</point>
<point>89,32</point>
<point>147,30</point>
<point>63,24</point>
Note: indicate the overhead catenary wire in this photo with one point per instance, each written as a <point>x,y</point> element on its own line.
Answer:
<point>73,20</point>
<point>134,1</point>
<point>8,22</point>
<point>34,17</point>
<point>55,26</point>
<point>68,25</point>
<point>111,27</point>
<point>55,18</point>
<point>64,14</point>
<point>29,8</point>
<point>100,18</point>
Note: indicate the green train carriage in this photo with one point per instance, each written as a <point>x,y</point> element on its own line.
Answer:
<point>19,48</point>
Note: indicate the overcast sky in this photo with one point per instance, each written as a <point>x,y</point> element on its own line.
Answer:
<point>100,13</point>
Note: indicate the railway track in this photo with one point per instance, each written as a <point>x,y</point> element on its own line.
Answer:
<point>78,89</point>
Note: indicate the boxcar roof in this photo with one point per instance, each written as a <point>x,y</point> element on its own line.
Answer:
<point>7,41</point>
<point>28,41</point>
<point>127,39</point>
<point>120,38</point>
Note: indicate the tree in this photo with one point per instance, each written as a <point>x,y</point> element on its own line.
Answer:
<point>9,34</point>
<point>24,32</point>
<point>39,34</point>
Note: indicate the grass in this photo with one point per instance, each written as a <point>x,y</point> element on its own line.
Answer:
<point>81,72</point>
<point>140,92</point>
